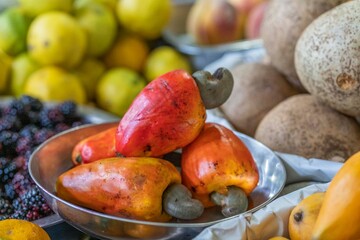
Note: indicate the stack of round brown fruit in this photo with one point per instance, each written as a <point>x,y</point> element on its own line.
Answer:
<point>304,98</point>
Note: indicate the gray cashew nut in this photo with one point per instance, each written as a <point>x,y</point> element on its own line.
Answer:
<point>178,202</point>
<point>214,88</point>
<point>233,203</point>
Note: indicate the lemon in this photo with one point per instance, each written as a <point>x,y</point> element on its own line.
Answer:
<point>5,66</point>
<point>13,29</point>
<point>100,25</point>
<point>22,66</point>
<point>117,89</point>
<point>52,83</point>
<point>165,59</point>
<point>56,38</point>
<point>147,18</point>
<point>89,73</point>
<point>37,7</point>
<point>111,4</point>
<point>128,51</point>
<point>15,229</point>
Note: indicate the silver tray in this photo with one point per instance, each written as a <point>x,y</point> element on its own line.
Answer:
<point>53,158</point>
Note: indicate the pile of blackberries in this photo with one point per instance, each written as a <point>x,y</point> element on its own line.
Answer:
<point>25,123</point>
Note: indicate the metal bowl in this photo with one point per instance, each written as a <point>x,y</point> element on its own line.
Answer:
<point>53,158</point>
<point>201,55</point>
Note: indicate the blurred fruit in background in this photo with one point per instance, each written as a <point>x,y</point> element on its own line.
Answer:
<point>69,50</point>
<point>118,88</point>
<point>13,29</point>
<point>56,38</point>
<point>110,4</point>
<point>212,22</point>
<point>22,66</point>
<point>129,50</point>
<point>254,20</point>
<point>146,18</point>
<point>164,59</point>
<point>5,66</point>
<point>36,7</point>
<point>54,83</point>
<point>89,73</point>
<point>100,24</point>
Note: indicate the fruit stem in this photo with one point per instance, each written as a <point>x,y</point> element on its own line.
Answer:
<point>232,203</point>
<point>178,202</point>
<point>214,88</point>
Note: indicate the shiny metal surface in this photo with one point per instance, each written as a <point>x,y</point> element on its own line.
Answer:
<point>53,157</point>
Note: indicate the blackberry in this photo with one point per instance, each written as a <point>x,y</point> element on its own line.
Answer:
<point>68,109</point>
<point>18,214</point>
<point>16,108</point>
<point>29,131</point>
<point>3,217</point>
<point>42,135</point>
<point>31,103</point>
<point>8,141</point>
<point>6,207</point>
<point>60,127</point>
<point>10,122</point>
<point>23,145</point>
<point>24,124</point>
<point>4,161</point>
<point>10,192</point>
<point>7,172</point>
<point>21,182</point>
<point>49,117</point>
<point>32,204</point>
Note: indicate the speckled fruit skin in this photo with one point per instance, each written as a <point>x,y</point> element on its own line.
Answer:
<point>254,79</point>
<point>126,187</point>
<point>327,58</point>
<point>166,115</point>
<point>305,126</point>
<point>95,147</point>
<point>283,23</point>
<point>215,160</point>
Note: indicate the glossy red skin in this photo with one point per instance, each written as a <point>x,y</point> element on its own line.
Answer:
<point>125,187</point>
<point>167,114</point>
<point>95,147</point>
<point>215,160</point>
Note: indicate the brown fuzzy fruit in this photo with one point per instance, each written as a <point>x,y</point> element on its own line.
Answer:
<point>283,24</point>
<point>257,89</point>
<point>305,126</point>
<point>326,58</point>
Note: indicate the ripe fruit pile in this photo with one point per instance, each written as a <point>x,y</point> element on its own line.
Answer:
<point>25,123</point>
<point>81,44</point>
<point>121,171</point>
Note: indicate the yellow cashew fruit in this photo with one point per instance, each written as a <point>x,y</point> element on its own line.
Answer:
<point>339,214</point>
<point>303,216</point>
